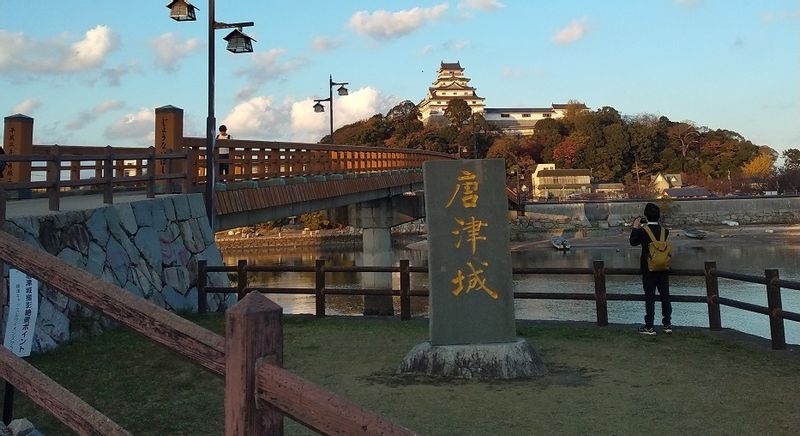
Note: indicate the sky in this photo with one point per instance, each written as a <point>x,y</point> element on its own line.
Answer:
<point>92,72</point>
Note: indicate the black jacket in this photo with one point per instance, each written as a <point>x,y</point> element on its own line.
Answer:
<point>639,237</point>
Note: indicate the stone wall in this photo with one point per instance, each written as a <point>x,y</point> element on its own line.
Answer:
<point>759,210</point>
<point>150,248</point>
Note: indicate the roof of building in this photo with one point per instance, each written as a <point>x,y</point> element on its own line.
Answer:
<point>567,105</point>
<point>450,66</point>
<point>610,186</point>
<point>564,172</point>
<point>518,109</point>
<point>693,191</point>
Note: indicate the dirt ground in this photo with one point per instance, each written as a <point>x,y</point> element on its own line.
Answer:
<point>716,236</point>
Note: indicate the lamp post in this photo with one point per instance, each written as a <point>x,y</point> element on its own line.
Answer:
<point>238,42</point>
<point>318,107</point>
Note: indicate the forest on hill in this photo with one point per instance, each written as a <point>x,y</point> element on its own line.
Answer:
<point>613,146</point>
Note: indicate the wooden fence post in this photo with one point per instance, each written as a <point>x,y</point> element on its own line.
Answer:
<point>151,172</point>
<point>712,294</point>
<point>202,300</point>
<point>186,183</point>
<point>108,169</point>
<point>53,178</point>
<point>253,335</point>
<point>241,276</point>
<point>775,307</point>
<point>600,298</point>
<point>319,286</point>
<point>405,285</point>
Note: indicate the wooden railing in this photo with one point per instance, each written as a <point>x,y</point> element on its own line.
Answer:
<point>258,160</point>
<point>257,391</point>
<point>598,270</point>
<point>112,168</point>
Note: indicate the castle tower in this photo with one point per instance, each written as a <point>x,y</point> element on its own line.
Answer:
<point>450,84</point>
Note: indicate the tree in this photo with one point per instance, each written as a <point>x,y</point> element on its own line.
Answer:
<point>686,135</point>
<point>457,112</point>
<point>759,168</point>
<point>791,159</point>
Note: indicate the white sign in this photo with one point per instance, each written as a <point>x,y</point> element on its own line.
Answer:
<point>23,307</point>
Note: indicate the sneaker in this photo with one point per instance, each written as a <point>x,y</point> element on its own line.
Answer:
<point>645,330</point>
<point>667,329</point>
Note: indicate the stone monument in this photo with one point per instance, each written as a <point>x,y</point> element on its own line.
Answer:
<point>472,325</point>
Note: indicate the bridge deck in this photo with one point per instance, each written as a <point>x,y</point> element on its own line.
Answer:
<point>40,206</point>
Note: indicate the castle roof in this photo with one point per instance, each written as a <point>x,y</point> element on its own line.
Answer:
<point>451,66</point>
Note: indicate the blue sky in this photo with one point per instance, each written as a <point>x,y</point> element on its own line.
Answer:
<point>91,72</point>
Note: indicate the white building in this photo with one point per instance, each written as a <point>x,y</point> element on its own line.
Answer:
<point>449,85</point>
<point>452,84</point>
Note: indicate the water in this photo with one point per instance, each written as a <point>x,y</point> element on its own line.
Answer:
<point>749,259</point>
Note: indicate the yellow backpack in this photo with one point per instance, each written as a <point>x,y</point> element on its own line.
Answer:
<point>659,256</point>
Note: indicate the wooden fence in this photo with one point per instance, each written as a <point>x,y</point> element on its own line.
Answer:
<point>771,280</point>
<point>258,392</point>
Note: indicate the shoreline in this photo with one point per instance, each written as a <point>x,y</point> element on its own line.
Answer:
<point>716,236</point>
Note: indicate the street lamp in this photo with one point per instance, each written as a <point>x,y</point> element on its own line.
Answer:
<point>318,107</point>
<point>238,42</point>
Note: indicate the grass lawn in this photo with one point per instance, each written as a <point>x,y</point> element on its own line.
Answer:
<point>601,381</point>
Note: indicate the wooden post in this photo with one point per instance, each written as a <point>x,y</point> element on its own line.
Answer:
<point>75,170</point>
<point>241,276</point>
<point>405,287</point>
<point>775,307</point>
<point>53,177</point>
<point>600,299</point>
<point>18,140</point>
<point>186,184</point>
<point>253,335</point>
<point>151,172</point>
<point>319,285</point>
<point>108,169</point>
<point>168,139</point>
<point>712,294</point>
<point>202,302</point>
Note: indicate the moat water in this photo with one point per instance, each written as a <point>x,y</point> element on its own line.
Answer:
<point>751,259</point>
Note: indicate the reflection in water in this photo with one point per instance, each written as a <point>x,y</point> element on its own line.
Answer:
<point>743,259</point>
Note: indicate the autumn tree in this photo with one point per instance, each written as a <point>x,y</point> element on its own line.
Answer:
<point>685,134</point>
<point>457,112</point>
<point>759,168</point>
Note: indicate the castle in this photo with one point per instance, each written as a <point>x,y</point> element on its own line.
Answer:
<point>452,84</point>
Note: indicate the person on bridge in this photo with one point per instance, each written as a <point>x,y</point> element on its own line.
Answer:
<point>655,272</point>
<point>224,152</point>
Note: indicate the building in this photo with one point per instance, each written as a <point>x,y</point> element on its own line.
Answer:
<point>609,190</point>
<point>550,182</point>
<point>688,192</point>
<point>452,84</point>
<point>662,182</point>
<point>449,85</point>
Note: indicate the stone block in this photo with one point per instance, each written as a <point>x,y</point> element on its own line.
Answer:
<point>197,205</point>
<point>182,210</point>
<point>505,360</point>
<point>296,180</point>
<point>97,226</point>
<point>143,211</point>
<point>126,217</point>
<point>275,181</point>
<point>318,178</point>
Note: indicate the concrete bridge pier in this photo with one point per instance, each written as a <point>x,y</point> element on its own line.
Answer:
<point>375,218</point>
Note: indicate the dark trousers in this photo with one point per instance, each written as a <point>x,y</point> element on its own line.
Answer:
<point>652,281</point>
<point>223,166</point>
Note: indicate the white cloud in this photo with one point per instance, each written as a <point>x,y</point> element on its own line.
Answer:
<point>425,50</point>
<point>572,32</point>
<point>387,25</point>
<point>483,5</point>
<point>170,49</point>
<point>85,117</point>
<point>310,126</point>
<point>26,107</point>
<point>138,127</point>
<point>322,44</point>
<point>19,53</point>
<point>267,66</point>
<point>255,118</point>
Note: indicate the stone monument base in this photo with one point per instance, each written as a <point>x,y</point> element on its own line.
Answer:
<point>505,360</point>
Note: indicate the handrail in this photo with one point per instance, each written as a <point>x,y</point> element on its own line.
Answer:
<point>600,296</point>
<point>185,338</point>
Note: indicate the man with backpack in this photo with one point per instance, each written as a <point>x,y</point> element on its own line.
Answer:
<point>655,263</point>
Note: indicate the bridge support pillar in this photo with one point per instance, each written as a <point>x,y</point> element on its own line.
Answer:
<point>375,218</point>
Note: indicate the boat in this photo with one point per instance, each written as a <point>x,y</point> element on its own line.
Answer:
<point>559,243</point>
<point>694,233</point>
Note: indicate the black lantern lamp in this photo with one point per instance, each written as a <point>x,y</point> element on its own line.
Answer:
<point>342,90</point>
<point>181,10</point>
<point>318,107</point>
<point>239,42</point>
